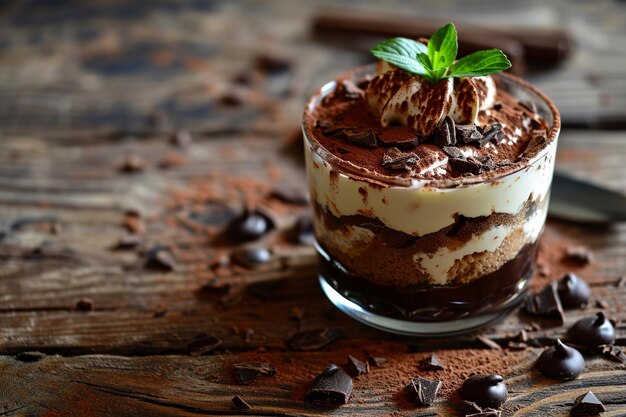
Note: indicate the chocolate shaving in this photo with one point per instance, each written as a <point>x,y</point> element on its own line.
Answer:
<point>537,140</point>
<point>365,138</point>
<point>579,254</point>
<point>613,352</point>
<point>424,391</point>
<point>453,152</point>
<point>488,342</point>
<point>587,405</point>
<point>467,133</point>
<point>377,360</point>
<point>472,165</point>
<point>314,339</point>
<point>546,303</point>
<point>493,133</point>
<point>333,387</point>
<point>357,367</point>
<point>394,159</point>
<point>400,137</point>
<point>248,372</point>
<point>240,403</point>
<point>446,133</point>
<point>431,363</point>
<point>160,258</point>
<point>203,343</point>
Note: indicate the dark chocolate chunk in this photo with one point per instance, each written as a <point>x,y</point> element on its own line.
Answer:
<point>314,339</point>
<point>561,362</point>
<point>400,137</point>
<point>357,367</point>
<point>445,134</point>
<point>592,331</point>
<point>271,65</point>
<point>424,391</point>
<point>29,357</point>
<point>579,254</point>
<point>613,352</point>
<point>332,387</point>
<point>84,304</point>
<point>290,196</point>
<point>203,343</point>
<point>453,152</point>
<point>250,257</point>
<point>494,133</point>
<point>248,372</point>
<point>537,140</point>
<point>160,258</point>
<point>303,231</point>
<point>132,164</point>
<point>396,160</point>
<point>471,165</point>
<point>467,133</point>
<point>128,241</point>
<point>431,363</point>
<point>573,291</point>
<point>488,342</point>
<point>487,162</point>
<point>497,106</point>
<point>181,139</point>
<point>250,225</point>
<point>377,360</point>
<point>587,405</point>
<point>546,303</point>
<point>484,390</point>
<point>240,403</point>
<point>360,137</point>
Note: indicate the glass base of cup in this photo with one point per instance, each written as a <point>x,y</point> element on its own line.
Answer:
<point>414,328</point>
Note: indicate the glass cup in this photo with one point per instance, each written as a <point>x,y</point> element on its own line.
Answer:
<point>428,257</point>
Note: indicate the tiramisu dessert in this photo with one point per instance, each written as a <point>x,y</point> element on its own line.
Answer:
<point>429,179</point>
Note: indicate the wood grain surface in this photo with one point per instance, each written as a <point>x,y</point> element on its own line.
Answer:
<point>83,88</point>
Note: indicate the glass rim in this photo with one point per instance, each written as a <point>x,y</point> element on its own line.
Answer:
<point>363,174</point>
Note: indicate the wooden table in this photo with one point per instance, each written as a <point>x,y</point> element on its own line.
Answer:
<point>91,92</point>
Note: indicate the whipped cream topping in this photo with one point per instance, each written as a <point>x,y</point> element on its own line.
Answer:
<point>409,100</point>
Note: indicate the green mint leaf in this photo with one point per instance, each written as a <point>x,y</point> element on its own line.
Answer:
<point>480,63</point>
<point>425,61</point>
<point>401,52</point>
<point>443,46</point>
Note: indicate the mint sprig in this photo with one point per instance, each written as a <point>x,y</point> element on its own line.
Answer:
<point>436,60</point>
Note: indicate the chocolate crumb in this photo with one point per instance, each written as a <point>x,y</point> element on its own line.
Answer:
<point>203,343</point>
<point>431,363</point>
<point>587,405</point>
<point>132,164</point>
<point>248,372</point>
<point>394,159</point>
<point>357,367</point>
<point>613,352</point>
<point>240,403</point>
<point>377,360</point>
<point>581,255</point>
<point>365,138</point>
<point>497,106</point>
<point>84,304</point>
<point>160,258</point>
<point>546,303</point>
<point>488,342</point>
<point>128,241</point>
<point>332,387</point>
<point>314,339</point>
<point>423,390</point>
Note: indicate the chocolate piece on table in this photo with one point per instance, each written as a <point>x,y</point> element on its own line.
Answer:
<point>453,152</point>
<point>203,343</point>
<point>561,362</point>
<point>271,65</point>
<point>484,390</point>
<point>573,291</point>
<point>579,254</point>
<point>84,304</point>
<point>600,303</point>
<point>333,386</point>
<point>399,137</point>
<point>613,352</point>
<point>587,405</point>
<point>377,360</point>
<point>290,196</point>
<point>592,331</point>
<point>248,372</point>
<point>394,159</point>
<point>431,363</point>
<point>160,258</point>
<point>423,390</point>
<point>314,339</point>
<point>250,225</point>
<point>546,303</point>
<point>250,257</point>
<point>488,342</point>
<point>132,164</point>
<point>358,367</point>
<point>365,138</point>
<point>240,403</point>
<point>467,133</point>
<point>29,357</point>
